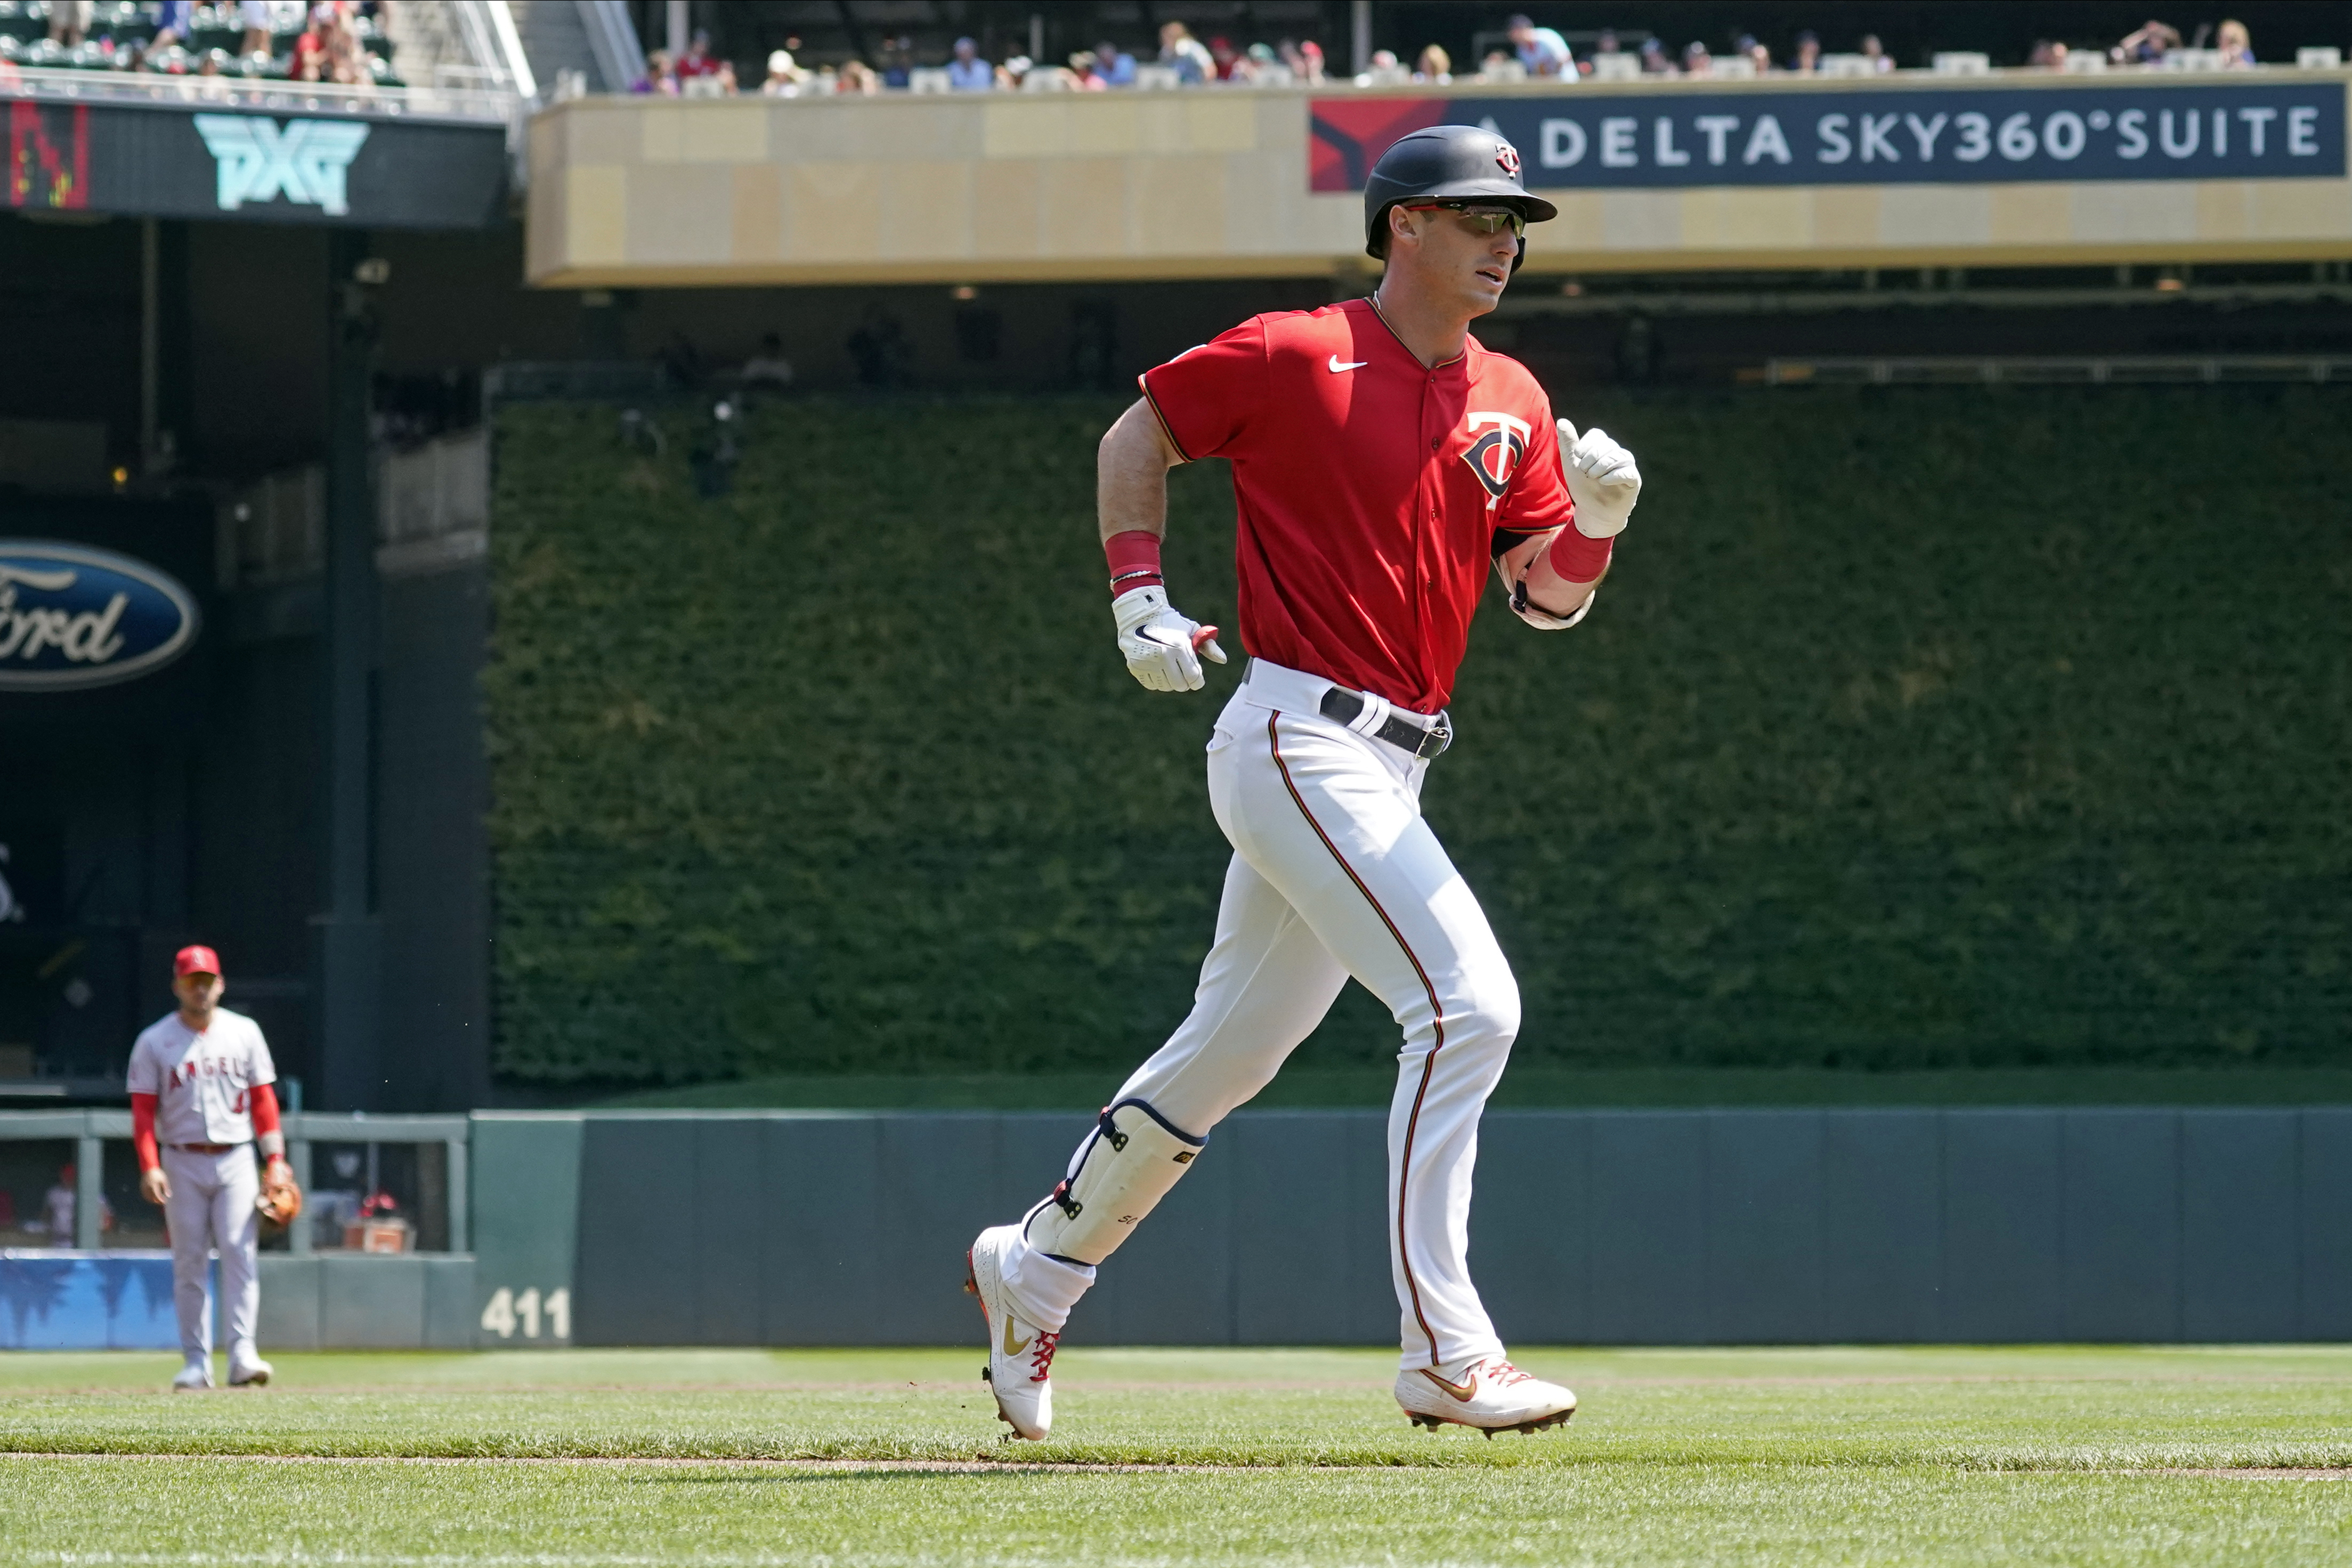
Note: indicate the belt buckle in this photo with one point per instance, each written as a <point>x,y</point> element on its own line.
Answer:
<point>1440,733</point>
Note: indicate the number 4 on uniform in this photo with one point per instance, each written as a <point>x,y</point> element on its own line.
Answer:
<point>506,1309</point>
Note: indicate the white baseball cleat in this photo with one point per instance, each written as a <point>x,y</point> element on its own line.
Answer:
<point>1487,1392</point>
<point>1020,1354</point>
<point>248,1370</point>
<point>195,1374</point>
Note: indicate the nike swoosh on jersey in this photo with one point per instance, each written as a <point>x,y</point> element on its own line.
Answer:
<point>1010,1347</point>
<point>1464,1391</point>
<point>1337,367</point>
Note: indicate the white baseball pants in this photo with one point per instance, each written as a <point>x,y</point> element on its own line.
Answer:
<point>212,1205</point>
<point>1335,874</point>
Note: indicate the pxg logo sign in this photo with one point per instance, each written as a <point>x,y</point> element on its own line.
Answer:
<point>72,616</point>
<point>305,161</point>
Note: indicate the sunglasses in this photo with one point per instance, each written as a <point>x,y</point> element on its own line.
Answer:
<point>1484,222</point>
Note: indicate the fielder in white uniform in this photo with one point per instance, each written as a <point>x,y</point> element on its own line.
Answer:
<point>201,1097</point>
<point>1382,459</point>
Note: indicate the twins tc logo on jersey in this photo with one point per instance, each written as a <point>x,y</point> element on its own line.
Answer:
<point>1494,456</point>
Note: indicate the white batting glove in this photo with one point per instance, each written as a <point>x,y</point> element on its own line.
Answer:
<point>1601,479</point>
<point>1164,648</point>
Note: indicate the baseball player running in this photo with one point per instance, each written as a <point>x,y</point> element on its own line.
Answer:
<point>1381,458</point>
<point>201,1083</point>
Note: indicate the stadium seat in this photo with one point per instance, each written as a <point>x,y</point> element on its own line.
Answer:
<point>1961,63</point>
<point>1618,67</point>
<point>2322,58</point>
<point>1846,66</point>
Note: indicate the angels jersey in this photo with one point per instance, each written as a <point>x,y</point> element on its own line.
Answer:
<point>201,1080</point>
<point>1369,488</point>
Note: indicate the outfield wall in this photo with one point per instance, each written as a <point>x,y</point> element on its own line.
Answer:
<point>1605,1226</point>
<point>1792,1227</point>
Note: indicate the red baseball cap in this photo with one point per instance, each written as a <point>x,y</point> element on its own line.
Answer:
<point>196,960</point>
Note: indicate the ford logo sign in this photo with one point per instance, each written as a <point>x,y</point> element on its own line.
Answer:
<point>71,617</point>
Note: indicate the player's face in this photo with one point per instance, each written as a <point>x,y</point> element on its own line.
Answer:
<point>198,993</point>
<point>1462,257</point>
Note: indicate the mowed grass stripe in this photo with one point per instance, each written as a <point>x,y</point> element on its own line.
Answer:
<point>204,1511</point>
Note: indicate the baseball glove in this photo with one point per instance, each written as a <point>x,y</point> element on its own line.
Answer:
<point>281,1197</point>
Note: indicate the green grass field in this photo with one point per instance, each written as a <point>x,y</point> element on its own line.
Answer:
<point>1844,1456</point>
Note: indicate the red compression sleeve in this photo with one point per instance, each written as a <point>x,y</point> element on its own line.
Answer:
<point>1578,559</point>
<point>261,1103</point>
<point>143,1131</point>
<point>1134,558</point>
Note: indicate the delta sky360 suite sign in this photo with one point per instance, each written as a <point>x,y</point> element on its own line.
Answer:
<point>1911,135</point>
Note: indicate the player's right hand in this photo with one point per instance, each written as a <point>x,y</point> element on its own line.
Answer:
<point>154,1186</point>
<point>1163,649</point>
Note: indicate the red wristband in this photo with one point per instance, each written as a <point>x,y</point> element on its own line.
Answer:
<point>1578,559</point>
<point>1134,558</point>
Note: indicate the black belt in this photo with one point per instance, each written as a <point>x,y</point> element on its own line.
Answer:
<point>1341,705</point>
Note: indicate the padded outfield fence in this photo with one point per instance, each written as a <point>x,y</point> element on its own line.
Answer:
<point>1598,1227</point>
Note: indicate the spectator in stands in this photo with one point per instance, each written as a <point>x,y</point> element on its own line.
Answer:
<point>1114,66</point>
<point>1185,55</point>
<point>1541,50</point>
<point>696,62</point>
<point>659,78</point>
<point>1606,44</point>
<point>1387,71</point>
<point>1085,71</point>
<point>174,19</point>
<point>347,56</point>
<point>2147,46</point>
<point>70,21</point>
<point>2237,45</point>
<point>1655,61</point>
<point>859,80</point>
<point>898,62</point>
<point>1876,53</point>
<point>255,14</point>
<point>1808,61</point>
<point>311,57</point>
<point>1434,65</point>
<point>1304,60</point>
<point>784,77</point>
<point>2047,56</point>
<point>1757,54</point>
<point>967,72</point>
<point>1223,57</point>
<point>1697,61</point>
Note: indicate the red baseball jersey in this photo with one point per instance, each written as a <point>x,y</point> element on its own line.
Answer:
<point>1370,487</point>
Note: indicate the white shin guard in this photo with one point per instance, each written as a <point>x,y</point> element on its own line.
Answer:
<point>1119,1174</point>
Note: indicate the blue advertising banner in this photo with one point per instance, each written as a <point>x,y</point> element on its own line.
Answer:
<point>1910,136</point>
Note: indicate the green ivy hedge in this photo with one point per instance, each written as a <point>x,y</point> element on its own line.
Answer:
<point>1916,729</point>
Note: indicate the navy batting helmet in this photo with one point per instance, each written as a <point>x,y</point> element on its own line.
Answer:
<point>1446,163</point>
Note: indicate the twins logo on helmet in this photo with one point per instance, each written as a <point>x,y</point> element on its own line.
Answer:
<point>1494,456</point>
<point>1508,157</point>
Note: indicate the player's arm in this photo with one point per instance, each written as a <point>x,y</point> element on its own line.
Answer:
<point>1164,648</point>
<point>154,1185</point>
<point>1553,576</point>
<point>269,1133</point>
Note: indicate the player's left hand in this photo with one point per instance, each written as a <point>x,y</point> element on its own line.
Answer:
<point>1163,647</point>
<point>1601,479</point>
<point>154,1186</point>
